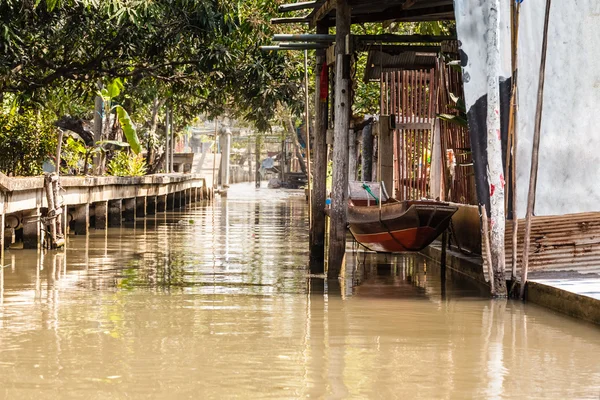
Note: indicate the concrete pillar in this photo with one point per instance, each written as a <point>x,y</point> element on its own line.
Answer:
<point>31,230</point>
<point>171,201</point>
<point>161,203</point>
<point>128,209</point>
<point>150,205</point>
<point>101,214</point>
<point>81,219</point>
<point>114,213</point>
<point>182,199</point>
<point>140,207</point>
<point>225,156</point>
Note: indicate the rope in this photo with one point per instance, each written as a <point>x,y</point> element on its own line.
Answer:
<point>368,189</point>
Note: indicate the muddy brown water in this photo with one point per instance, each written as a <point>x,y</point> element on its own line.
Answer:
<point>214,301</point>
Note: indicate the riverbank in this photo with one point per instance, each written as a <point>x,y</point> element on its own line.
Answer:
<point>568,293</point>
<point>98,201</point>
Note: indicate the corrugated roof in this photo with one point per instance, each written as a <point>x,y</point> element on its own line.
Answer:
<point>399,10</point>
<point>397,58</point>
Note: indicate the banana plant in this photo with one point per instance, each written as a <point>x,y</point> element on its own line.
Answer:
<point>108,93</point>
<point>459,119</point>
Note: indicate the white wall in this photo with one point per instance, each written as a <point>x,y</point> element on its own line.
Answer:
<point>569,166</point>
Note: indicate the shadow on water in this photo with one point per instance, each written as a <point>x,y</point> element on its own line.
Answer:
<point>215,301</point>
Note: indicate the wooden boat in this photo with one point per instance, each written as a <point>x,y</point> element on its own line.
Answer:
<point>394,226</point>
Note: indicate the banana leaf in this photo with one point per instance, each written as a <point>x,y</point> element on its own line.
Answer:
<point>128,129</point>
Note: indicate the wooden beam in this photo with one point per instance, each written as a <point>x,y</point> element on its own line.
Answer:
<point>413,125</point>
<point>305,37</point>
<point>290,20</point>
<point>303,46</point>
<point>330,55</point>
<point>411,15</point>
<point>322,12</point>
<point>391,38</point>
<point>296,6</point>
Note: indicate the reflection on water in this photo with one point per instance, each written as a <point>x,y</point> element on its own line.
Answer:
<point>215,302</point>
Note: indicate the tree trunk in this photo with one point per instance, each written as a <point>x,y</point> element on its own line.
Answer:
<point>156,106</point>
<point>292,135</point>
<point>494,153</point>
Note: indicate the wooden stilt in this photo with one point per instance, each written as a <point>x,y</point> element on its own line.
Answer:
<point>511,151</point>
<point>319,191</point>
<point>337,243</point>
<point>535,152</point>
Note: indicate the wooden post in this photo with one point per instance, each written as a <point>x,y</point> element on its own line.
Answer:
<point>512,135</point>
<point>258,144</point>
<point>319,192</point>
<point>167,143</point>
<point>352,159</point>
<point>2,225</point>
<point>443,263</point>
<point>535,152</point>
<point>337,238</point>
<point>98,109</point>
<point>172,140</point>
<point>494,152</point>
<point>307,128</point>
<point>367,153</point>
<point>385,138</point>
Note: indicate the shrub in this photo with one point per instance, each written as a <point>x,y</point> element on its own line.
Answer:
<point>27,139</point>
<point>126,164</point>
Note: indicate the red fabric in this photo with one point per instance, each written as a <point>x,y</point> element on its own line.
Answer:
<point>324,89</point>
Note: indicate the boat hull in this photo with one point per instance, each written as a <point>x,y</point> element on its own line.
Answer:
<point>399,226</point>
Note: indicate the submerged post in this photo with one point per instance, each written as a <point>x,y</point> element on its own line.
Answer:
<point>494,153</point>
<point>337,237</point>
<point>319,192</point>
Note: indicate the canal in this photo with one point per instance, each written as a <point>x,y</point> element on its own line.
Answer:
<point>214,301</point>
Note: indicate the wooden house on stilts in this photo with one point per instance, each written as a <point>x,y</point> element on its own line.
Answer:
<point>448,108</point>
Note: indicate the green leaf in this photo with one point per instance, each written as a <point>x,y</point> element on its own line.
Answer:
<point>454,119</point>
<point>129,129</point>
<point>460,103</point>
<point>116,143</point>
<point>455,65</point>
<point>50,4</point>
<point>114,88</point>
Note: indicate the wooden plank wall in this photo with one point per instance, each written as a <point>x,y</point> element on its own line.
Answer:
<point>409,95</point>
<point>456,139</point>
